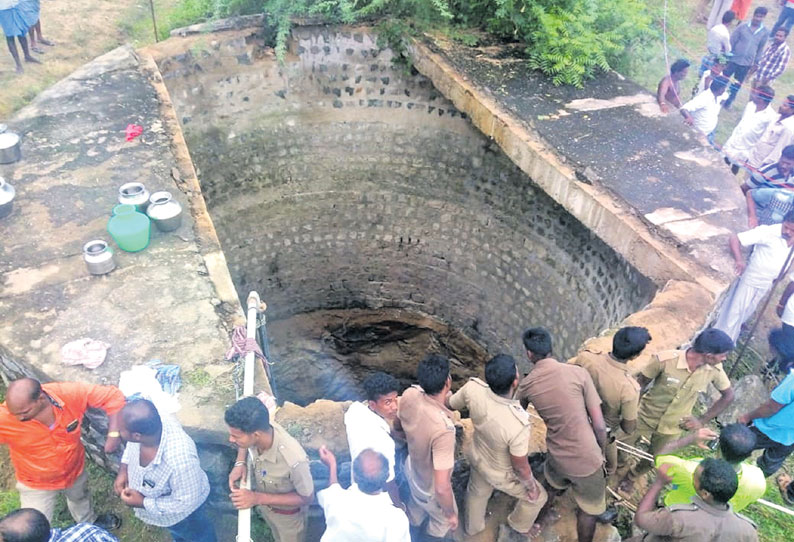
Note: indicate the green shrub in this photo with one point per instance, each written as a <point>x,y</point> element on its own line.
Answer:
<point>568,40</point>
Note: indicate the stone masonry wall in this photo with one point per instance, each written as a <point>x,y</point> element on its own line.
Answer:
<point>336,180</point>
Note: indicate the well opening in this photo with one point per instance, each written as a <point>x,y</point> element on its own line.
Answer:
<point>374,219</point>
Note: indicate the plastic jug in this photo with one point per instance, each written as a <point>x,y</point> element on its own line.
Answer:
<point>129,228</point>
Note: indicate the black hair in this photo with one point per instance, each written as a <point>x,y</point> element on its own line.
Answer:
<point>788,152</point>
<point>379,384</point>
<point>718,84</point>
<point>25,525</point>
<point>538,341</point>
<point>713,341</point>
<point>629,341</point>
<point>372,482</point>
<point>248,415</point>
<point>679,65</point>
<point>789,217</point>
<point>765,92</point>
<point>737,442</point>
<point>500,372</point>
<point>760,11</point>
<point>782,29</point>
<point>719,479</point>
<point>728,17</point>
<point>432,373</point>
<point>790,100</point>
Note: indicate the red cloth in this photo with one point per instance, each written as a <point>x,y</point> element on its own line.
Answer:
<point>45,458</point>
<point>133,131</point>
<point>740,8</point>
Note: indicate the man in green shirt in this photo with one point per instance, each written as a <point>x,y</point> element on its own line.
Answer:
<point>736,443</point>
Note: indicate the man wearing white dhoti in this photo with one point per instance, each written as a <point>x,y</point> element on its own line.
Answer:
<point>771,246</point>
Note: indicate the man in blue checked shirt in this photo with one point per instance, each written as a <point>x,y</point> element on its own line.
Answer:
<point>29,525</point>
<point>160,475</point>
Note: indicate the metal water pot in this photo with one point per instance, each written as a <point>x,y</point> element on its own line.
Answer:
<point>7,194</point>
<point>98,257</point>
<point>165,211</point>
<point>10,151</point>
<point>134,194</point>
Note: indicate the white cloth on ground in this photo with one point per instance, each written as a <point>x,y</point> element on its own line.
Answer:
<point>141,379</point>
<point>352,515</point>
<point>366,429</point>
<point>87,352</point>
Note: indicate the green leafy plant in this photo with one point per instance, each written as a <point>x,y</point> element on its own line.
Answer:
<point>568,40</point>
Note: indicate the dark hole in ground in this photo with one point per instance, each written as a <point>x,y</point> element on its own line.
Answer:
<point>326,354</point>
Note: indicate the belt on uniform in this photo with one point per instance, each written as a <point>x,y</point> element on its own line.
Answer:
<point>283,512</point>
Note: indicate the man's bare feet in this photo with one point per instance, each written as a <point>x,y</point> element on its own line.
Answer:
<point>32,60</point>
<point>19,69</point>
<point>38,50</point>
<point>46,42</point>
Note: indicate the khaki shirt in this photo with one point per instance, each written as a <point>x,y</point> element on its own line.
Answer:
<point>284,467</point>
<point>501,429</point>
<point>619,391</point>
<point>698,522</point>
<point>430,434</point>
<point>675,389</point>
<point>562,393</point>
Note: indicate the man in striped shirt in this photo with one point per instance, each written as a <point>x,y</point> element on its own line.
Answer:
<point>773,62</point>
<point>30,525</point>
<point>763,185</point>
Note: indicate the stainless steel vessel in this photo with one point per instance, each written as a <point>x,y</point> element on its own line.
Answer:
<point>165,211</point>
<point>7,194</point>
<point>134,194</point>
<point>98,257</point>
<point>10,150</point>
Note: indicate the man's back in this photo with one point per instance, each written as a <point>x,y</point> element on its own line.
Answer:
<point>560,393</point>
<point>619,391</point>
<point>699,522</point>
<point>351,514</point>
<point>430,434</point>
<point>82,532</point>
<point>366,429</point>
<point>501,426</point>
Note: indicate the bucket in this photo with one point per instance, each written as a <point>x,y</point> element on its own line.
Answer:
<point>129,228</point>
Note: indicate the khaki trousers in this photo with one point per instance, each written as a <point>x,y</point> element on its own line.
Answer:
<point>285,527</point>
<point>422,505</point>
<point>658,440</point>
<point>77,499</point>
<point>479,491</point>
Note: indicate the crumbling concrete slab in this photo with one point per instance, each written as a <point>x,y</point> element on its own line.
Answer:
<point>171,301</point>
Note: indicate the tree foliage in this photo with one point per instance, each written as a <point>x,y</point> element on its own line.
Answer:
<point>568,40</point>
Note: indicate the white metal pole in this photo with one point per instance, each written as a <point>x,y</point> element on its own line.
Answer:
<point>244,516</point>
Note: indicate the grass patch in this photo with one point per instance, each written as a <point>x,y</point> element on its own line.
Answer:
<point>198,378</point>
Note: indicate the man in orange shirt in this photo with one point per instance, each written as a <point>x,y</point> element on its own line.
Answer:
<point>41,424</point>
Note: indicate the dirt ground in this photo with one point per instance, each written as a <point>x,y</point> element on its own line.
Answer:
<point>81,30</point>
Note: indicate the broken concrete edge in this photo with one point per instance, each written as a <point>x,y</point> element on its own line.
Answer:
<point>218,25</point>
<point>602,212</point>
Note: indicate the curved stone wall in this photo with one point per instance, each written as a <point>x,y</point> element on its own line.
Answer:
<point>337,181</point>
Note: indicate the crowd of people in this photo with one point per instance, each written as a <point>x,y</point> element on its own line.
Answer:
<point>404,450</point>
<point>20,21</point>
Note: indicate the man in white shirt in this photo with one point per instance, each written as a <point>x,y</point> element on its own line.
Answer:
<point>703,110</point>
<point>777,136</point>
<point>756,118</point>
<point>367,424</point>
<point>718,39</point>
<point>362,512</point>
<point>772,246</point>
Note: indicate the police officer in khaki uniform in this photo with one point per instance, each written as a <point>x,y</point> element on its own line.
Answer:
<point>498,455</point>
<point>427,424</point>
<point>708,518</point>
<point>284,486</point>
<point>618,389</point>
<point>678,376</point>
